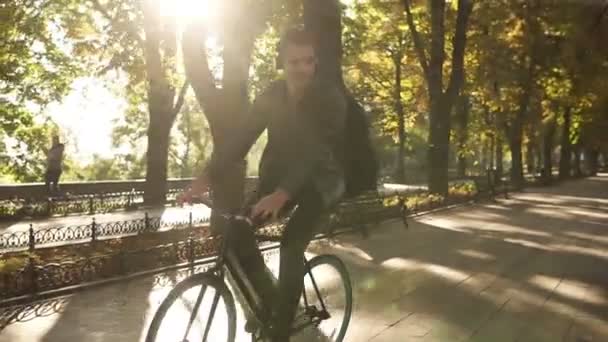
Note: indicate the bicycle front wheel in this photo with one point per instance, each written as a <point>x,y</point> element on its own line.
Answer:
<point>326,303</point>
<point>200,308</point>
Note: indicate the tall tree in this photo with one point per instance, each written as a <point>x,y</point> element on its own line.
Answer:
<point>376,44</point>
<point>36,69</point>
<point>147,46</point>
<point>441,101</point>
<point>164,100</point>
<point>462,120</point>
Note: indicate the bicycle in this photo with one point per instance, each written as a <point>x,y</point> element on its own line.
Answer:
<point>226,275</point>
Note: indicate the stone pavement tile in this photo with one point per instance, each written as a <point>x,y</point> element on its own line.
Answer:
<point>453,302</point>
<point>581,333</point>
<point>461,310</point>
<point>547,327</point>
<point>444,332</point>
<point>112,313</point>
<point>520,303</point>
<point>498,330</point>
<point>415,326</point>
<point>556,317</point>
<point>366,328</point>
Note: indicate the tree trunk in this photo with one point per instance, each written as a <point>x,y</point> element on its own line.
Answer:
<point>516,162</point>
<point>463,136</point>
<point>324,19</point>
<point>398,106</point>
<point>438,152</point>
<point>566,149</point>
<point>530,152</point>
<point>515,129</point>
<point>159,36</point>
<point>185,170</point>
<point>499,155</point>
<point>577,161</point>
<point>539,159</point>
<point>485,157</point>
<point>591,160</point>
<point>156,159</point>
<point>547,171</point>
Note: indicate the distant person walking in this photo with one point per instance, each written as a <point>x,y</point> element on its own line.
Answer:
<point>54,166</point>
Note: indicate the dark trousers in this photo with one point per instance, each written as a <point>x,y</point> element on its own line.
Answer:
<point>51,180</point>
<point>297,235</point>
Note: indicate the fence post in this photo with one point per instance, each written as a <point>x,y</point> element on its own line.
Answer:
<point>91,210</point>
<point>32,273</point>
<point>403,211</point>
<point>49,207</point>
<point>32,238</point>
<point>146,222</point>
<point>93,231</point>
<point>190,249</point>
<point>190,220</point>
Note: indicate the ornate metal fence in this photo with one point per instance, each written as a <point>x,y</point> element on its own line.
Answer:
<point>33,277</point>
<point>32,239</point>
<point>31,200</point>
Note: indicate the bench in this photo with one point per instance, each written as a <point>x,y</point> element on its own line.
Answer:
<point>484,186</point>
<point>490,184</point>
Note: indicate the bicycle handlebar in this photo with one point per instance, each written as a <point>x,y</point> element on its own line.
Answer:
<point>206,200</point>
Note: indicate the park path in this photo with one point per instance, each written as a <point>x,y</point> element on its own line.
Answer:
<point>529,268</point>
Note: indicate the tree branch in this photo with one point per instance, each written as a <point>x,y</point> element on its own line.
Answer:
<point>196,64</point>
<point>418,45</point>
<point>437,50</point>
<point>465,7</point>
<point>131,29</point>
<point>180,99</point>
<point>153,58</point>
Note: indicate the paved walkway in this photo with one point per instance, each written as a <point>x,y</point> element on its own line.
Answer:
<point>531,268</point>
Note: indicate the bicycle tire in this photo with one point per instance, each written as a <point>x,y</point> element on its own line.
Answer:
<point>201,279</point>
<point>338,265</point>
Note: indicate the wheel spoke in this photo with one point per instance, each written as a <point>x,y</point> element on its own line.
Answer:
<point>186,307</point>
<point>216,298</point>
<point>327,300</point>
<point>199,299</point>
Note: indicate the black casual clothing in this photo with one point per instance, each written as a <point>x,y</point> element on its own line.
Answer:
<point>299,158</point>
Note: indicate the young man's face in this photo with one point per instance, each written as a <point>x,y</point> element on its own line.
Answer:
<point>299,63</point>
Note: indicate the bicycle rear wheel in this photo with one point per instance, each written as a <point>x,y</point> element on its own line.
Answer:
<point>200,308</point>
<point>327,301</point>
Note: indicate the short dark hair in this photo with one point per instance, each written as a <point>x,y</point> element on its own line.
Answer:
<point>296,36</point>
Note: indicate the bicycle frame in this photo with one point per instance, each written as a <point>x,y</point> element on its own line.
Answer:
<point>228,267</point>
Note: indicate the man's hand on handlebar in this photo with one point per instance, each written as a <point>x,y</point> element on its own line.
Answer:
<point>198,187</point>
<point>270,205</point>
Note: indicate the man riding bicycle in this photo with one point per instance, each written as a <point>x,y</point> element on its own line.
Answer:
<point>299,168</point>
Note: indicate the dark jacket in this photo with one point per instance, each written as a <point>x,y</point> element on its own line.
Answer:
<point>303,142</point>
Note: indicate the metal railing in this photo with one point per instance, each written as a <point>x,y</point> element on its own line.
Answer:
<point>91,232</point>
<point>31,200</point>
